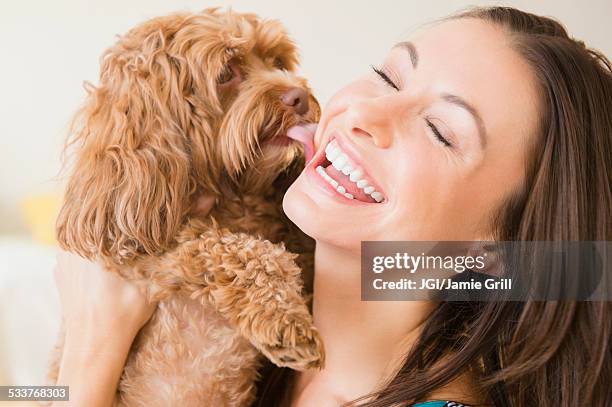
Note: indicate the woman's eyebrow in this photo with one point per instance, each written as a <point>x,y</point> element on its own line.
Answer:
<point>457,100</point>
<point>409,46</point>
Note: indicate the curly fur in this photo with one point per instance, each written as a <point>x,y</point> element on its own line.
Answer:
<point>156,132</point>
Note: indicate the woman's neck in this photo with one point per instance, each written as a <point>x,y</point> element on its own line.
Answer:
<point>364,340</point>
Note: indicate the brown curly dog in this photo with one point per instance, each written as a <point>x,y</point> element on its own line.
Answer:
<point>192,105</point>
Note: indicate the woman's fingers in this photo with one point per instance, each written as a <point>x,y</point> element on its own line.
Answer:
<point>93,296</point>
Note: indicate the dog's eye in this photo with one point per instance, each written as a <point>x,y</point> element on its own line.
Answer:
<point>279,64</point>
<point>226,75</point>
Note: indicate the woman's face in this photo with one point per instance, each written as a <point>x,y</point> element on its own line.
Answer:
<point>438,134</point>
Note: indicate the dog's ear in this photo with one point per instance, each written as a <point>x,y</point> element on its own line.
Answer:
<point>130,181</point>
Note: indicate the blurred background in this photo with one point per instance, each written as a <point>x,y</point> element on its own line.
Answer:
<point>49,48</point>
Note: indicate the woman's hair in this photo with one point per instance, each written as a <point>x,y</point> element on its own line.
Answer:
<point>553,353</point>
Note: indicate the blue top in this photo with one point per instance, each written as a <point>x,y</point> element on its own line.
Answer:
<point>439,404</point>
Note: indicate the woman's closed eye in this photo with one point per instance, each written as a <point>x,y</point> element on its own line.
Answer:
<point>437,134</point>
<point>385,77</point>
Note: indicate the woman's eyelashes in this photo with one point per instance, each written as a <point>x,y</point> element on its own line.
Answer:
<point>385,77</point>
<point>437,134</point>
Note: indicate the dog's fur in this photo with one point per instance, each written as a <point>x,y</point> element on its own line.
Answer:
<point>168,123</point>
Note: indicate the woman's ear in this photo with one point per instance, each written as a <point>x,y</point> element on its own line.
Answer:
<point>488,255</point>
<point>130,182</point>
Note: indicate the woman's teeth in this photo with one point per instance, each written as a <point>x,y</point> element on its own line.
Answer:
<point>355,174</point>
<point>333,182</point>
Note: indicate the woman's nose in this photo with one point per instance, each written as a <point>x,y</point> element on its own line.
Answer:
<point>365,119</point>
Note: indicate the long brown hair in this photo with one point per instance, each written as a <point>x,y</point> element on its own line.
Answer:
<point>554,353</point>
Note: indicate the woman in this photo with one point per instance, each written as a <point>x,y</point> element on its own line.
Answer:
<point>489,125</point>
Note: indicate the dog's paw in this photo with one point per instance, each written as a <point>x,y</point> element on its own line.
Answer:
<point>300,346</point>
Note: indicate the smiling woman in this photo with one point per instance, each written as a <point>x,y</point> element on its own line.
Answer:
<point>489,125</point>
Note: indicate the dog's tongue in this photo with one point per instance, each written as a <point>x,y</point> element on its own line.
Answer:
<point>305,135</point>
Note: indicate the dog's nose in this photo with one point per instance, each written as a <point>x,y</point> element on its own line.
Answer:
<point>297,98</point>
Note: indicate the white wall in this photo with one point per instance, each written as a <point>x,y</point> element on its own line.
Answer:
<point>47,48</point>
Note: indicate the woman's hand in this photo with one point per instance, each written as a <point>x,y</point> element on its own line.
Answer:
<point>102,314</point>
<point>92,298</point>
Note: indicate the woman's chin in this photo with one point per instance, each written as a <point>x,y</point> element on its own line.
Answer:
<point>318,219</point>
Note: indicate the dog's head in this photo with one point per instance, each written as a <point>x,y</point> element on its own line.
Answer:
<point>186,104</point>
